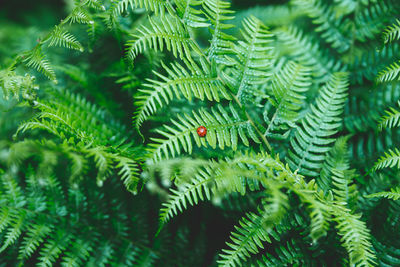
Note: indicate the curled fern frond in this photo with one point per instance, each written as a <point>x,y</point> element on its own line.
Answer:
<point>223,129</point>
<point>187,82</point>
<point>168,32</point>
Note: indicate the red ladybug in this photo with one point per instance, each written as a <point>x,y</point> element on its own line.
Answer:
<point>202,131</point>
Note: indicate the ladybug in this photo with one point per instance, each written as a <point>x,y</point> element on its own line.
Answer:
<point>202,131</point>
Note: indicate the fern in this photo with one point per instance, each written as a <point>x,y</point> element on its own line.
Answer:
<point>328,23</point>
<point>223,129</point>
<point>62,38</point>
<point>168,32</point>
<point>190,15</point>
<point>253,59</point>
<point>313,138</point>
<point>393,194</point>
<point>218,12</point>
<point>392,33</point>
<point>391,73</point>
<point>389,160</point>
<point>288,87</point>
<point>355,238</point>
<point>196,81</point>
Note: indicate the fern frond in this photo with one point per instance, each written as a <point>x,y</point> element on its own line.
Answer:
<point>191,81</point>
<point>128,172</point>
<point>390,159</point>
<point>392,33</point>
<point>223,129</point>
<point>62,38</point>
<point>288,87</point>
<point>329,25</point>
<point>391,73</point>
<point>79,15</point>
<point>336,176</point>
<point>247,238</point>
<point>312,139</point>
<point>35,59</point>
<point>256,228</point>
<point>168,32</point>
<point>190,15</point>
<point>119,7</point>
<point>198,189</point>
<point>355,238</point>
<point>15,85</point>
<point>34,237</point>
<point>306,51</point>
<point>217,12</point>
<point>253,59</point>
<point>391,119</point>
<point>393,194</point>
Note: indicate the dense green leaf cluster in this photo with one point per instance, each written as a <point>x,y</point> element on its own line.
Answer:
<point>299,164</point>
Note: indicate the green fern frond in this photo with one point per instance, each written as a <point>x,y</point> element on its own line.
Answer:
<point>355,238</point>
<point>390,159</point>
<point>62,38</point>
<point>288,88</point>
<point>286,254</point>
<point>119,7</point>
<point>79,15</point>
<point>248,238</point>
<point>391,73</point>
<point>391,119</point>
<point>167,31</point>
<point>190,15</point>
<point>329,25</point>
<point>191,81</point>
<point>255,229</point>
<point>392,33</point>
<point>393,194</point>
<point>128,172</point>
<point>306,51</point>
<point>312,140</point>
<point>34,237</point>
<point>217,12</point>
<point>199,188</point>
<point>370,19</point>
<point>35,59</point>
<point>336,176</point>
<point>15,85</point>
<point>223,129</point>
<point>253,60</point>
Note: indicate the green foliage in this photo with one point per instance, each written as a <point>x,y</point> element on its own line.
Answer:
<point>313,138</point>
<point>297,155</point>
